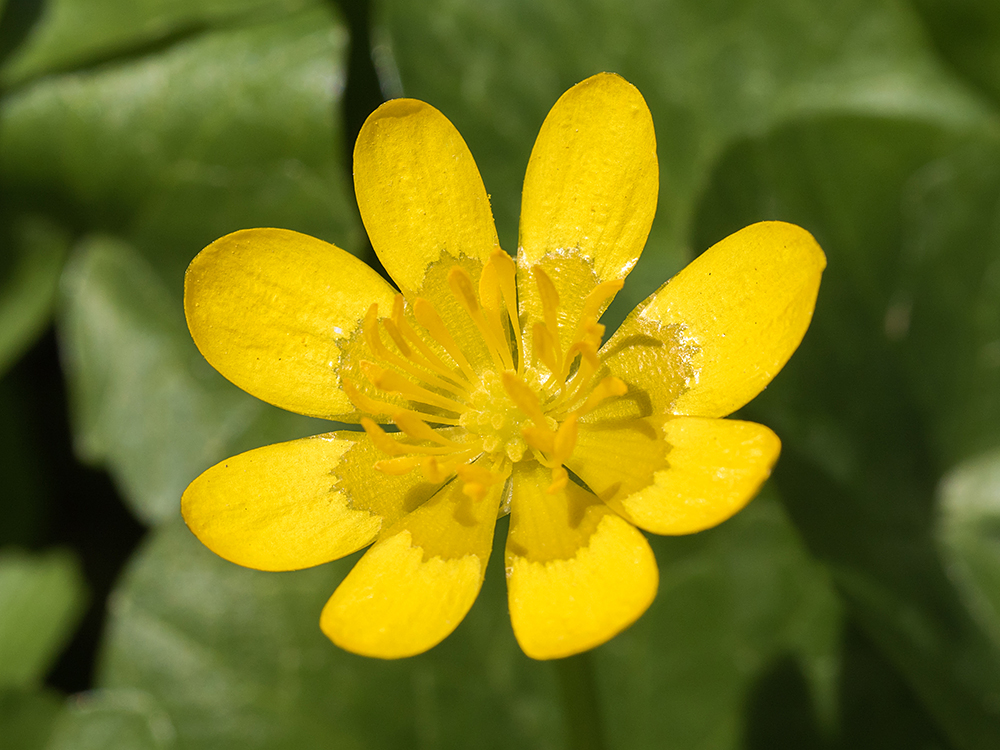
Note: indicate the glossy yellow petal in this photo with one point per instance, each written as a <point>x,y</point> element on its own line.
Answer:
<point>578,574</point>
<point>419,192</point>
<point>589,198</point>
<point>734,317</point>
<point>592,180</point>
<point>298,504</point>
<point>271,309</point>
<point>676,475</point>
<point>412,589</point>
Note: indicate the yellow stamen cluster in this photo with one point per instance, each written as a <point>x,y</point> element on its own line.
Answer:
<point>495,417</point>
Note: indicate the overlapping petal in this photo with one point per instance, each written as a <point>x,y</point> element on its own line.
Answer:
<point>271,309</point>
<point>414,586</point>
<point>297,504</point>
<point>591,184</point>
<point>578,574</point>
<point>675,475</point>
<point>730,321</point>
<point>589,193</point>
<point>419,192</point>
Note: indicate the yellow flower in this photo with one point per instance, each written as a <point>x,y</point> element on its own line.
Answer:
<point>495,375</point>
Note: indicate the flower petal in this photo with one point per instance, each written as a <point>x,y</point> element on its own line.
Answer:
<point>578,574</point>
<point>419,192</point>
<point>677,475</point>
<point>592,179</point>
<point>734,315</point>
<point>412,589</point>
<point>297,504</point>
<point>270,309</point>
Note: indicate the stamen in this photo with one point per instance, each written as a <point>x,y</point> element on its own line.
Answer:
<point>565,439</point>
<point>594,305</point>
<point>461,287</point>
<point>418,429</point>
<point>374,341</point>
<point>392,382</point>
<point>427,317</point>
<point>524,398</point>
<point>507,278</point>
<point>587,349</point>
<point>539,438</point>
<point>372,406</point>
<point>560,478</point>
<point>544,349</point>
<point>400,330</point>
<point>476,480</point>
<point>433,471</point>
<point>491,298</point>
<point>550,309</point>
<point>610,386</point>
<point>589,364</point>
<point>381,440</point>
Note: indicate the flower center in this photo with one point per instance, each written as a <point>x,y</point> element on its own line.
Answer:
<point>493,402</point>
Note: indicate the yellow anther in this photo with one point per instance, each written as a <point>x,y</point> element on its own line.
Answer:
<point>399,326</point>
<point>461,286</point>
<point>465,293</point>
<point>544,347</point>
<point>550,307</point>
<point>407,363</point>
<point>596,301</point>
<point>587,350</point>
<point>381,439</point>
<point>418,429</point>
<point>610,386</point>
<point>491,299</point>
<point>433,471</point>
<point>476,480</point>
<point>489,286</point>
<point>370,327</point>
<point>393,382</point>
<point>372,406</point>
<point>397,338</point>
<point>475,473</point>
<point>524,397</point>
<point>565,439</point>
<point>427,317</point>
<point>560,477</point>
<point>507,278</point>
<point>539,438</point>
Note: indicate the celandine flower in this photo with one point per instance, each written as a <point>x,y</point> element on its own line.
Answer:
<point>495,375</point>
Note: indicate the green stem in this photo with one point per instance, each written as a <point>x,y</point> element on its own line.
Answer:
<point>582,711</point>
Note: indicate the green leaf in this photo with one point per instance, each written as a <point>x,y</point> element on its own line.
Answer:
<point>41,600</point>
<point>75,33</point>
<point>712,72</point>
<point>27,717</point>
<point>236,657</point>
<point>862,406</point>
<point>732,601</point>
<point>223,130</point>
<point>119,719</point>
<point>948,298</point>
<point>969,529</point>
<point>28,290</point>
<point>145,402</point>
<point>967,35</point>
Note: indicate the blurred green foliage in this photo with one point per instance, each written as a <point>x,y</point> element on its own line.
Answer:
<point>855,604</point>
